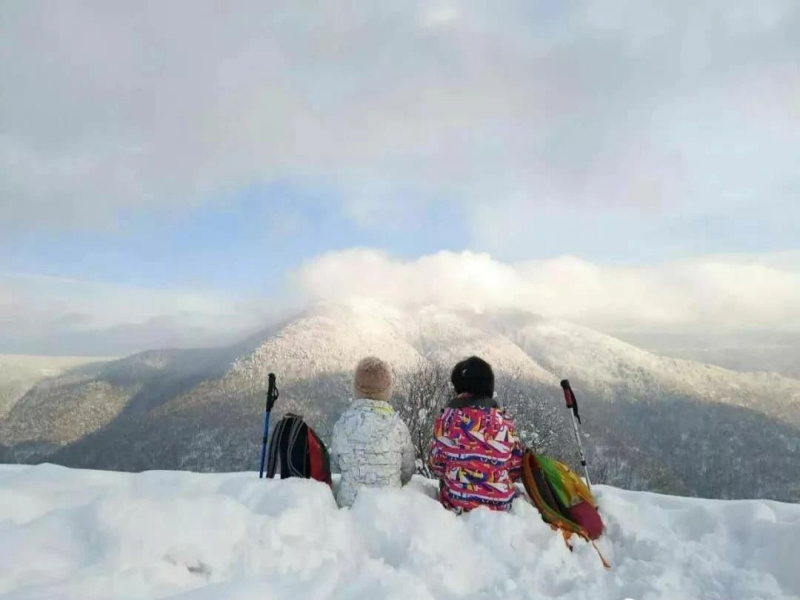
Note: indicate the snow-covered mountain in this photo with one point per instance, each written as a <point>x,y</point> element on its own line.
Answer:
<point>96,535</point>
<point>653,422</point>
<point>332,337</point>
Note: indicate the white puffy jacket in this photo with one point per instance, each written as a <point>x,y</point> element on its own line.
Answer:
<point>372,447</point>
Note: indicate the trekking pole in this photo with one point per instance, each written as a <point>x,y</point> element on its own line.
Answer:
<point>272,396</point>
<point>572,404</point>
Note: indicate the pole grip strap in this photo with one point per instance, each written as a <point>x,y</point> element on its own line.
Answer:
<point>569,396</point>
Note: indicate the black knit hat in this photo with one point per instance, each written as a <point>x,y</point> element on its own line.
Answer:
<point>473,376</point>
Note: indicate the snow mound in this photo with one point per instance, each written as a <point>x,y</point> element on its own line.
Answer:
<point>90,534</point>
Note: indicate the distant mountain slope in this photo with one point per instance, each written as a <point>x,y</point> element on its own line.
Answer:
<point>20,372</point>
<point>610,366</point>
<point>653,422</point>
<point>768,351</point>
<point>66,408</point>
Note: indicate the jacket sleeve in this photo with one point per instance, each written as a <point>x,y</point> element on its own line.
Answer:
<point>409,454</point>
<point>436,459</point>
<point>517,450</point>
<point>335,450</point>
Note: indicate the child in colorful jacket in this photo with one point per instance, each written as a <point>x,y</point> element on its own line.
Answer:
<point>475,452</point>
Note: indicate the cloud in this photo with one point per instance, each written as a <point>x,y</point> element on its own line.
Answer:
<point>57,315</point>
<point>711,294</point>
<point>661,108</point>
<point>635,130</point>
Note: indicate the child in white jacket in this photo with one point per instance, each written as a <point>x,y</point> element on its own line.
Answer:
<point>371,443</point>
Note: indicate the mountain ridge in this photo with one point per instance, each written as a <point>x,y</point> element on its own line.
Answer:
<point>196,408</point>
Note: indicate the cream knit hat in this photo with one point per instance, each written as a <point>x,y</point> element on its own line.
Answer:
<point>373,379</point>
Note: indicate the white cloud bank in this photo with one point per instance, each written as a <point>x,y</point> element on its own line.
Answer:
<point>705,296</point>
<point>711,294</point>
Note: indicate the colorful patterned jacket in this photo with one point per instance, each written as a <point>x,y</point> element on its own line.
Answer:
<point>476,455</point>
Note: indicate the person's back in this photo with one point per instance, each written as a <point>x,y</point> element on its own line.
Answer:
<point>475,452</point>
<point>371,443</point>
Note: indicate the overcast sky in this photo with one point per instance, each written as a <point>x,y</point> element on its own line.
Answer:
<point>174,171</point>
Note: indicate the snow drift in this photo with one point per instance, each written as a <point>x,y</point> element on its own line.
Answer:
<point>91,534</point>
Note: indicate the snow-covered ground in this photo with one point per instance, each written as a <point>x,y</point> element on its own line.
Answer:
<point>91,534</point>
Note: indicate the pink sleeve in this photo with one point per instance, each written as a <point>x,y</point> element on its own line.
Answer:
<point>515,462</point>
<point>436,461</point>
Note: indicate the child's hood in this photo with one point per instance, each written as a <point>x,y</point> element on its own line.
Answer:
<point>367,418</point>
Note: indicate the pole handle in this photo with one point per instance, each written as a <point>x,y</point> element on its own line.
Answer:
<point>272,392</point>
<point>569,395</point>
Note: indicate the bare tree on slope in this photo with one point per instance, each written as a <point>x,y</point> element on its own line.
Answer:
<point>419,397</point>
